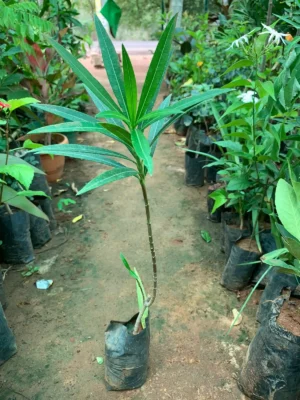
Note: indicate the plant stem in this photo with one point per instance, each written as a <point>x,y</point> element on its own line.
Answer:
<point>146,304</point>
<point>6,159</point>
<point>151,243</point>
<point>268,22</point>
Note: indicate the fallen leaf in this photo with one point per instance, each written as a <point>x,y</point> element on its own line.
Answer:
<point>74,188</point>
<point>235,313</point>
<point>58,180</point>
<point>76,219</point>
<point>59,192</point>
<point>206,236</point>
<point>100,360</point>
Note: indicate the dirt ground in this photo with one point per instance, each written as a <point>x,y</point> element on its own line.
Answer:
<point>60,332</point>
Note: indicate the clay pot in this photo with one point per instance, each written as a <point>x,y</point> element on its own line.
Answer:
<point>52,165</point>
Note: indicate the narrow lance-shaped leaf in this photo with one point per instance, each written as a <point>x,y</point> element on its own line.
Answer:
<point>158,125</point>
<point>130,86</point>
<point>157,115</point>
<point>66,113</point>
<point>156,70</point>
<point>142,149</point>
<point>120,135</point>
<point>188,104</point>
<point>80,151</point>
<point>85,76</point>
<point>87,155</point>
<point>112,65</point>
<point>108,177</point>
<point>102,107</point>
<point>112,114</point>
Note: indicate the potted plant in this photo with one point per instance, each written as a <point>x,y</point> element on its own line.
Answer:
<point>271,365</point>
<point>137,116</point>
<point>15,207</point>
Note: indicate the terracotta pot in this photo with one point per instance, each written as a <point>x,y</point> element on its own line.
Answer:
<point>52,165</point>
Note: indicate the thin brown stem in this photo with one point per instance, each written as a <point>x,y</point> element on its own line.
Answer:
<point>151,242</point>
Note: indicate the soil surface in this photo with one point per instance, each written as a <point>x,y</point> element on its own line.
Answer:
<point>60,331</point>
<point>289,317</point>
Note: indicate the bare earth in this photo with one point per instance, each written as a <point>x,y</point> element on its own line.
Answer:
<point>60,332</point>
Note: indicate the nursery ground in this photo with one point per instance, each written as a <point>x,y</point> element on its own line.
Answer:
<point>60,332</point>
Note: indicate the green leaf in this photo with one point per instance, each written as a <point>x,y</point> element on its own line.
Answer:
<point>157,115</point>
<point>80,151</point>
<point>217,117</point>
<point>127,266</point>
<point>239,183</point>
<point>202,154</point>
<point>293,246</point>
<point>112,114</point>
<point>10,197</point>
<point>156,70</point>
<point>108,177</point>
<point>100,360</point>
<point>29,144</point>
<point>188,104</point>
<point>130,86</point>
<point>142,149</point>
<point>112,65</point>
<point>17,160</point>
<point>102,107</point>
<point>62,203</point>
<point>206,236</point>
<point>237,106</point>
<point>157,125</point>
<point>87,127</point>
<point>32,193</point>
<point>236,122</point>
<point>239,64</point>
<point>238,82</point>
<point>255,224</point>
<point>85,76</point>
<point>230,145</point>
<point>220,197</point>
<point>269,88</point>
<point>288,208</point>
<point>119,133</point>
<point>248,298</point>
<point>88,153</point>
<point>289,21</point>
<point>17,103</point>
<point>141,296</point>
<point>20,172</point>
<point>273,254</point>
<point>66,113</point>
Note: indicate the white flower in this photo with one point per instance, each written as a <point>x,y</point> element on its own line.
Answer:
<point>239,42</point>
<point>248,97</point>
<point>275,36</point>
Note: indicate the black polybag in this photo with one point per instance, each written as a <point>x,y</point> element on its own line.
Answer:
<point>8,345</point>
<point>39,231</point>
<point>236,276</point>
<point>276,284</point>
<point>16,247</point>
<point>271,368</point>
<point>126,355</point>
